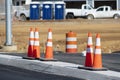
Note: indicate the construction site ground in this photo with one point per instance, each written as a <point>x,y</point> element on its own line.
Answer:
<point>109,30</point>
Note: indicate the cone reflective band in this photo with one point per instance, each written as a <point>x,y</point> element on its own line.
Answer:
<point>49,49</point>
<point>31,43</point>
<point>97,62</point>
<point>49,44</point>
<point>89,52</point>
<point>71,42</point>
<point>49,40</point>
<point>36,47</point>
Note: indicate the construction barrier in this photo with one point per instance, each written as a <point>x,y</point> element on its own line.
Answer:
<point>89,52</point>
<point>71,42</point>
<point>36,47</point>
<point>31,43</point>
<point>49,48</point>
<point>96,63</point>
<point>92,61</point>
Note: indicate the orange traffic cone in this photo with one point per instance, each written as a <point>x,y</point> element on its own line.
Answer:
<point>97,54</point>
<point>36,47</point>
<point>49,49</point>
<point>89,52</point>
<point>31,43</point>
<point>95,63</point>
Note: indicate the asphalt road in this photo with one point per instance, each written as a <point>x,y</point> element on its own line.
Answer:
<point>110,61</point>
<point>12,73</point>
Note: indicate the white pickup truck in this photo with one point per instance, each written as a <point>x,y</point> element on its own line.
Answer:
<point>72,13</point>
<point>22,13</point>
<point>103,12</point>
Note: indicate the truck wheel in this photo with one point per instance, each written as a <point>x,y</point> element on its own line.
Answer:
<point>69,16</point>
<point>116,16</point>
<point>23,18</point>
<point>90,17</point>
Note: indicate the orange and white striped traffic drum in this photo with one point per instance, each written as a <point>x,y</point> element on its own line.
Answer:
<point>71,42</point>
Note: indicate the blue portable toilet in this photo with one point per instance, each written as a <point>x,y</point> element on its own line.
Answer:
<point>47,11</point>
<point>59,10</point>
<point>35,11</point>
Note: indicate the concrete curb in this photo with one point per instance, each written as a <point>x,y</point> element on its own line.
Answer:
<point>58,68</point>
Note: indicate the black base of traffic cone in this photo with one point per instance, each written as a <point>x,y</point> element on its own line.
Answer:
<point>44,59</point>
<point>92,69</point>
<point>29,58</point>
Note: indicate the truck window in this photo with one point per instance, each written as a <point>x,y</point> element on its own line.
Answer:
<point>23,2</point>
<point>85,7</point>
<point>100,9</point>
<point>106,9</point>
<point>17,3</point>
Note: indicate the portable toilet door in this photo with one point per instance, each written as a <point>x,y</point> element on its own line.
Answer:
<point>59,10</point>
<point>35,11</point>
<point>47,11</point>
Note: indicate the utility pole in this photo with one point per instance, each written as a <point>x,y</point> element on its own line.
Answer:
<point>118,4</point>
<point>9,46</point>
<point>90,2</point>
<point>8,6</point>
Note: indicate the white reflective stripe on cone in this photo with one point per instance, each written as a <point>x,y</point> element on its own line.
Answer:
<point>31,42</point>
<point>98,42</point>
<point>97,51</point>
<point>90,40</point>
<point>49,44</point>
<point>36,35</point>
<point>50,35</point>
<point>32,35</point>
<point>36,43</point>
<point>71,39</point>
<point>90,50</point>
<point>71,46</point>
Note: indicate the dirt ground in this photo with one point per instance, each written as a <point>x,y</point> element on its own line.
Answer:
<point>109,30</point>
